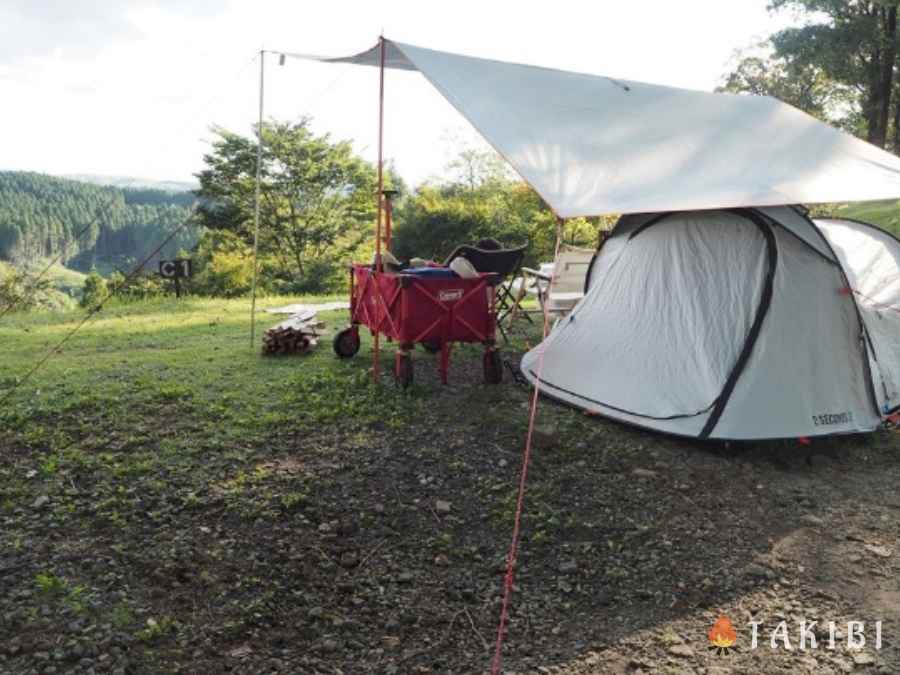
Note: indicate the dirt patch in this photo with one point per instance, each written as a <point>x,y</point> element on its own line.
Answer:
<point>370,547</point>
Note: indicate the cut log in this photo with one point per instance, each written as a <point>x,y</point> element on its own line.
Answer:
<point>295,335</point>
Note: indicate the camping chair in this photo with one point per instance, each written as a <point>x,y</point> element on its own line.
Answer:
<point>559,291</point>
<point>504,262</point>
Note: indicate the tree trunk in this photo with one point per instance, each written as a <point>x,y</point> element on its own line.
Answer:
<point>872,107</point>
<point>870,110</point>
<point>896,127</point>
<point>886,75</point>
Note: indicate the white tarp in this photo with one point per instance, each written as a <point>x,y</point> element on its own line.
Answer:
<point>591,145</point>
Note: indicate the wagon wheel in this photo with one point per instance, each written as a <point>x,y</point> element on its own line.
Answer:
<point>431,346</point>
<point>403,370</point>
<point>493,367</point>
<point>346,343</point>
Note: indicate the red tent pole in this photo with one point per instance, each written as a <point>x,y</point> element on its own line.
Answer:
<point>378,265</point>
<point>380,156</point>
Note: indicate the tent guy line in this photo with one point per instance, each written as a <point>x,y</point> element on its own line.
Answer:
<point>512,554</point>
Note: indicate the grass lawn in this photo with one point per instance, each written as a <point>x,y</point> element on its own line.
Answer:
<point>183,361</point>
<point>171,501</point>
<point>885,214</point>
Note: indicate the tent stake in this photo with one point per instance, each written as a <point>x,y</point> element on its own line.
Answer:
<point>259,148</point>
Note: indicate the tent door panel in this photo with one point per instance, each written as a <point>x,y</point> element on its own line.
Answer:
<point>871,259</point>
<point>807,374</point>
<point>665,325</point>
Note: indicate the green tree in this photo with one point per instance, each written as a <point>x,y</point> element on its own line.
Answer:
<point>853,42</point>
<point>803,86</point>
<point>475,168</point>
<point>482,201</point>
<point>317,203</point>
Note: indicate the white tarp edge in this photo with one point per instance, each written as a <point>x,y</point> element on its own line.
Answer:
<point>591,145</point>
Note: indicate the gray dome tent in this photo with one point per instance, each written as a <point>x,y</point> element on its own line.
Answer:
<point>734,324</point>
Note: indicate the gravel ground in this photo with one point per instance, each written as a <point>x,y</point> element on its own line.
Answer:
<point>378,547</point>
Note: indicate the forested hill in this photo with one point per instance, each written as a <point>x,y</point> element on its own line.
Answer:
<point>43,216</point>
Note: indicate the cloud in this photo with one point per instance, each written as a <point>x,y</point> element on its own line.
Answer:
<point>131,87</point>
<point>79,28</point>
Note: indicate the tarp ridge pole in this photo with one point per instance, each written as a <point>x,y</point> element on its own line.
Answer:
<point>259,149</point>
<point>378,264</point>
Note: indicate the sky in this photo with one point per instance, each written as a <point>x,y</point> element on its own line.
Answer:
<point>134,87</point>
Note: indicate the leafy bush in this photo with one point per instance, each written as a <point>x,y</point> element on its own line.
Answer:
<point>95,290</point>
<point>229,273</point>
<point>21,292</point>
<point>435,220</point>
<point>223,265</point>
<point>324,275</point>
<point>138,287</point>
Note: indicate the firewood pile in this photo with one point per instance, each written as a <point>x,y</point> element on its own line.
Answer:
<point>292,336</point>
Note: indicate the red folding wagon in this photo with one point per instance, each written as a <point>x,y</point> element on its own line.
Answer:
<point>429,310</point>
<point>409,309</point>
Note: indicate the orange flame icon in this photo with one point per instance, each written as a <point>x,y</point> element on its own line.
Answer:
<point>722,635</point>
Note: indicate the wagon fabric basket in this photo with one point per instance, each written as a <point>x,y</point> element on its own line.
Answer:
<point>434,310</point>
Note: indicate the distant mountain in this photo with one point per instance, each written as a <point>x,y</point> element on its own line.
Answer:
<point>129,182</point>
<point>86,225</point>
